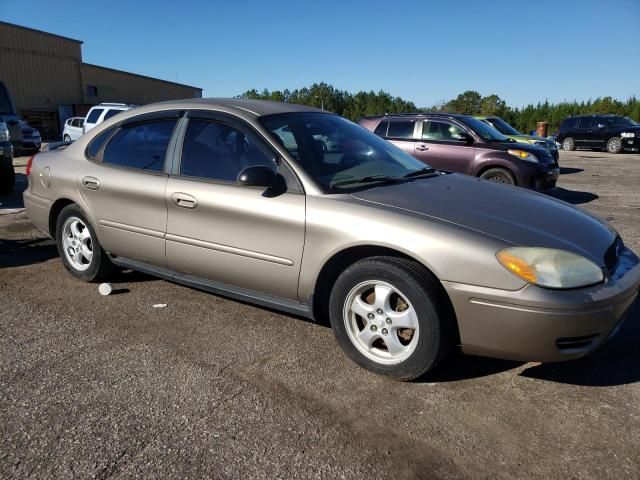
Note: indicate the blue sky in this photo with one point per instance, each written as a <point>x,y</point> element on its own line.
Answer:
<point>426,51</point>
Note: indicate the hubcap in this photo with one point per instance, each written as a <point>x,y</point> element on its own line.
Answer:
<point>381,322</point>
<point>498,178</point>
<point>614,144</point>
<point>566,145</point>
<point>77,243</point>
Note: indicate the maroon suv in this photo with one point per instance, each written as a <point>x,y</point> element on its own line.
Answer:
<point>460,143</point>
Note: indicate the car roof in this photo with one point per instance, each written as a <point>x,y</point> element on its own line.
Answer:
<point>418,115</point>
<point>242,105</point>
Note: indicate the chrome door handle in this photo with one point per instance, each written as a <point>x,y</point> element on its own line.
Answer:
<point>91,183</point>
<point>422,147</point>
<point>184,200</point>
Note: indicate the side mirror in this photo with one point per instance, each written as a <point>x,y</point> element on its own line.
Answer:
<point>257,176</point>
<point>463,137</point>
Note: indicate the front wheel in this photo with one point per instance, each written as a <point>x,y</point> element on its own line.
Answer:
<point>67,138</point>
<point>614,145</point>
<point>499,175</point>
<point>390,317</point>
<point>79,248</point>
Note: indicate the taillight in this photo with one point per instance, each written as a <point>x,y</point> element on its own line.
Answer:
<point>29,165</point>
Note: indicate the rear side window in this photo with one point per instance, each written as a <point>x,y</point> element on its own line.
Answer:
<point>142,146</point>
<point>569,123</point>
<point>381,129</point>
<point>94,115</point>
<point>111,113</point>
<point>217,151</point>
<point>97,143</point>
<point>588,122</point>
<point>400,129</point>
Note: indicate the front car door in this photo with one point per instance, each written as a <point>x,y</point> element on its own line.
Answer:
<point>124,186</point>
<point>244,237</point>
<point>440,146</point>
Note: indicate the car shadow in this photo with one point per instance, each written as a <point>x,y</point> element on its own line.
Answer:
<point>570,170</point>
<point>457,366</point>
<point>615,363</point>
<point>17,253</point>
<point>575,197</point>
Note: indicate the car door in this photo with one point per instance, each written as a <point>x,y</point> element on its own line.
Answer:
<point>239,236</point>
<point>441,147</point>
<point>400,132</point>
<point>124,187</point>
<point>584,132</point>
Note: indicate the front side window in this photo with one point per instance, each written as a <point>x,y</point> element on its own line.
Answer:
<point>94,115</point>
<point>337,153</point>
<point>217,151</point>
<point>141,146</point>
<point>400,129</point>
<point>440,131</point>
<point>619,122</point>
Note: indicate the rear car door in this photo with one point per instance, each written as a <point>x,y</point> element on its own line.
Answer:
<point>245,237</point>
<point>124,186</point>
<point>584,133</point>
<point>400,132</point>
<point>440,146</point>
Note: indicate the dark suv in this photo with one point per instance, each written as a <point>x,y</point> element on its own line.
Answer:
<point>613,132</point>
<point>464,144</point>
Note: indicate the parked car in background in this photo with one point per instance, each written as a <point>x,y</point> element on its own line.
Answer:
<point>611,132</point>
<point>461,143</point>
<point>24,138</point>
<point>513,134</point>
<point>405,261</point>
<point>7,173</point>
<point>100,113</point>
<point>73,129</point>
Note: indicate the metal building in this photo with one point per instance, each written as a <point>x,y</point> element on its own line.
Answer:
<point>49,83</point>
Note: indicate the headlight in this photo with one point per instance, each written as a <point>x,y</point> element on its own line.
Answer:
<point>628,134</point>
<point>522,155</point>
<point>549,267</point>
<point>4,132</point>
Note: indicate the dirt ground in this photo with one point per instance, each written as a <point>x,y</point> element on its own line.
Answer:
<point>94,387</point>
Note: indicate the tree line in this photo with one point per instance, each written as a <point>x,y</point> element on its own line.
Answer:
<point>362,104</point>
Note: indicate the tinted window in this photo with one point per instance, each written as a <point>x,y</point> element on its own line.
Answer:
<point>218,151</point>
<point>111,113</point>
<point>400,129</point>
<point>569,123</point>
<point>94,115</point>
<point>142,145</point>
<point>588,122</point>
<point>440,131</point>
<point>96,144</point>
<point>381,129</point>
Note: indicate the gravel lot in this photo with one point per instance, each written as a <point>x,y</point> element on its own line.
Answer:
<point>94,386</point>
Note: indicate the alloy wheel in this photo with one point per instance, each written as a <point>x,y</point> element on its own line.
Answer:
<point>77,243</point>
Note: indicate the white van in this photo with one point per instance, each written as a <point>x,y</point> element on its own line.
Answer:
<point>102,112</point>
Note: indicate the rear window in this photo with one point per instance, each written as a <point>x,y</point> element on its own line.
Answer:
<point>97,143</point>
<point>381,129</point>
<point>142,146</point>
<point>400,129</point>
<point>94,115</point>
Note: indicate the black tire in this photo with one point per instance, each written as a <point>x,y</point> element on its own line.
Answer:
<point>568,144</point>
<point>436,322</point>
<point>499,175</point>
<point>614,145</point>
<point>66,138</point>
<point>7,176</point>
<point>100,266</point>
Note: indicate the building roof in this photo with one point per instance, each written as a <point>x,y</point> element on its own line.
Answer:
<point>91,65</point>
<point>41,32</point>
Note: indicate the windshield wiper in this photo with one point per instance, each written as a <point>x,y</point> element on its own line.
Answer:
<point>427,172</point>
<point>367,179</point>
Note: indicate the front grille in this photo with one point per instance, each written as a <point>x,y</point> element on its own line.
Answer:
<point>612,255</point>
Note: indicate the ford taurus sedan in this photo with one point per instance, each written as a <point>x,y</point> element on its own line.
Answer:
<point>243,199</point>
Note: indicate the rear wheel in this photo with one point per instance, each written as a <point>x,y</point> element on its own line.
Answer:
<point>389,317</point>
<point>499,175</point>
<point>568,144</point>
<point>614,145</point>
<point>79,248</point>
<point>7,176</point>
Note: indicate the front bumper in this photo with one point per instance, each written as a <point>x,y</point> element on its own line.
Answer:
<point>632,143</point>
<point>539,177</point>
<point>538,324</point>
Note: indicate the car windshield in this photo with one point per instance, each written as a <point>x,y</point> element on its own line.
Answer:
<point>620,122</point>
<point>488,134</point>
<point>502,126</point>
<point>339,154</point>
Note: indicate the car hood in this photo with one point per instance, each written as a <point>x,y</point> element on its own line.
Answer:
<point>511,214</point>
